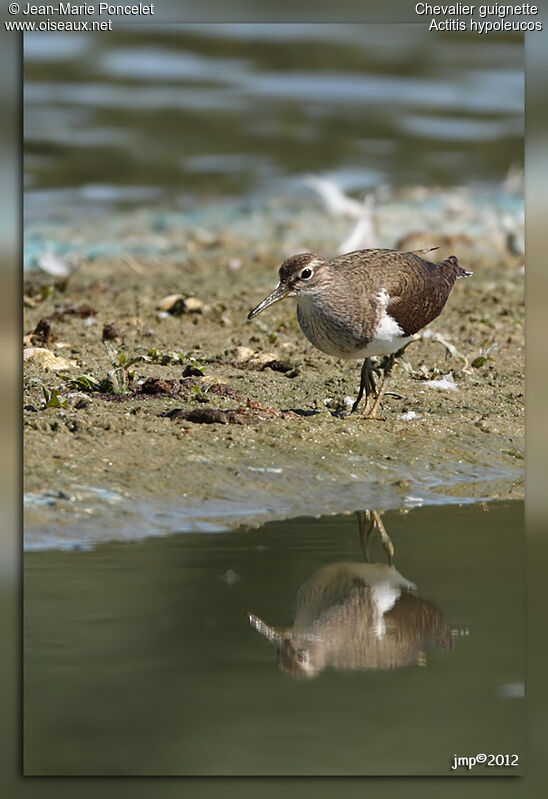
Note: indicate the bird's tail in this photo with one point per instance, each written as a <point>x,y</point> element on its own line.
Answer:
<point>424,251</point>
<point>454,265</point>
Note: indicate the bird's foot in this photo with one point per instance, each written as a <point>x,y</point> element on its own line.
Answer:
<point>371,408</point>
<point>371,415</point>
<point>375,525</point>
<point>370,397</point>
<point>380,392</point>
<point>356,405</point>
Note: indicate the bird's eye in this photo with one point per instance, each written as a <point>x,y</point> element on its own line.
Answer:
<point>302,655</point>
<point>306,274</point>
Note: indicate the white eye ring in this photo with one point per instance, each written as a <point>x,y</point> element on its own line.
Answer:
<point>307,273</point>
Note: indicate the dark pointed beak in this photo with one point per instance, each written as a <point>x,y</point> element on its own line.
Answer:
<point>278,294</point>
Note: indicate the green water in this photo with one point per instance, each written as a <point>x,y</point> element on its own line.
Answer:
<point>139,658</point>
<point>158,116</point>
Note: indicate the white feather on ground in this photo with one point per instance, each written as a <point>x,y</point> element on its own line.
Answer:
<point>444,383</point>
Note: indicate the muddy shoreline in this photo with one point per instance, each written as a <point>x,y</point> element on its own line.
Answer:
<point>99,463</point>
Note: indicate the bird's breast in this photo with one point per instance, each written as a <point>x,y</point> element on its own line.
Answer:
<point>357,330</point>
<point>330,331</point>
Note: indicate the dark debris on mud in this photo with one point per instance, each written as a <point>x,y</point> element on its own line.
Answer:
<point>252,412</point>
<point>221,370</point>
<point>158,387</point>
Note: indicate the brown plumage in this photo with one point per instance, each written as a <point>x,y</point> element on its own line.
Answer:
<point>357,616</point>
<point>365,303</point>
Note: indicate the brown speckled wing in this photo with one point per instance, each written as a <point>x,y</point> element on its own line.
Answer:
<point>423,291</point>
<point>418,289</point>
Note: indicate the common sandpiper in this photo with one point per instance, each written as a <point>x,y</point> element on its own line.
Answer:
<point>365,303</point>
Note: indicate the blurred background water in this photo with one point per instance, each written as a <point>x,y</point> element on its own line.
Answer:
<point>186,114</point>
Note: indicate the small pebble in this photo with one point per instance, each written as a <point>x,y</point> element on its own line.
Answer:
<point>82,403</point>
<point>277,366</point>
<point>192,371</point>
<point>177,305</point>
<point>47,359</point>
<point>407,416</point>
<point>111,332</point>
<point>243,354</point>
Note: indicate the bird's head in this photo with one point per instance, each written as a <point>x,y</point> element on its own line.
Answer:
<point>299,275</point>
<point>300,655</point>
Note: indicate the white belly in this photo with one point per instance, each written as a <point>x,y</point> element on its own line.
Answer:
<point>335,335</point>
<point>388,338</point>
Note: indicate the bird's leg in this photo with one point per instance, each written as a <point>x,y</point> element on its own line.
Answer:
<point>364,516</point>
<point>371,388</point>
<point>387,544</point>
<point>367,383</point>
<point>375,523</point>
<point>371,414</point>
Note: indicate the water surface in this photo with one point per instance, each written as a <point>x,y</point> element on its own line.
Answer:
<point>190,113</point>
<point>139,657</point>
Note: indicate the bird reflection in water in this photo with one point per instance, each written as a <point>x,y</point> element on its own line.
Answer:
<point>358,616</point>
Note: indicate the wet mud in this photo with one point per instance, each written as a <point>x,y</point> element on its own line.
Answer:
<point>161,393</point>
